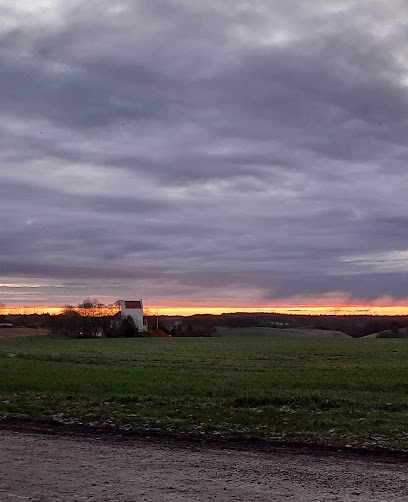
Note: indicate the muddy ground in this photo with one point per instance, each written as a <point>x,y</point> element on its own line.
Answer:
<point>38,467</point>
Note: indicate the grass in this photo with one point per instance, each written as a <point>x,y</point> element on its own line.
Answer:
<point>275,332</point>
<point>334,390</point>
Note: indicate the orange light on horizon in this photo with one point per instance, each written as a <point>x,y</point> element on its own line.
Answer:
<point>293,309</point>
<point>191,310</point>
<point>30,310</point>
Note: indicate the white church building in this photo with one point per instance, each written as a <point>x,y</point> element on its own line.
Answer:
<point>134,309</point>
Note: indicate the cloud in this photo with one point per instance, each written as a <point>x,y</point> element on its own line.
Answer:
<point>239,152</point>
<point>389,261</point>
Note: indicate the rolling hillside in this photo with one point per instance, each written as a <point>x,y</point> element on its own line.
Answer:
<point>389,333</point>
<point>278,332</point>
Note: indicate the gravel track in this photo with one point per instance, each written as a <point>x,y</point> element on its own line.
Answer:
<point>48,468</point>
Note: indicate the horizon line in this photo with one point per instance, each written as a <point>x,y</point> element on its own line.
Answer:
<point>187,311</point>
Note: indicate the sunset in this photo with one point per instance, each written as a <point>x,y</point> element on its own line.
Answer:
<point>262,168</point>
<point>397,310</point>
<point>203,250</point>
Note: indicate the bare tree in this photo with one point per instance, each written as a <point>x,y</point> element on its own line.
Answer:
<point>94,308</point>
<point>85,308</point>
<point>111,309</point>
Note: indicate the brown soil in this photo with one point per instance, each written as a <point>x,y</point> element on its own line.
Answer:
<point>36,467</point>
<point>21,332</point>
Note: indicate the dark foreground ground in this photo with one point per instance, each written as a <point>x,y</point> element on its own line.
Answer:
<point>38,467</point>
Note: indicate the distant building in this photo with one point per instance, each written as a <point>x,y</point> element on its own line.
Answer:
<point>134,309</point>
<point>99,332</point>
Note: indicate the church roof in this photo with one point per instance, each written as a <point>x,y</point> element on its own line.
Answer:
<point>132,304</point>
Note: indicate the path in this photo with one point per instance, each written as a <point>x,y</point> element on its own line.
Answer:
<point>43,468</point>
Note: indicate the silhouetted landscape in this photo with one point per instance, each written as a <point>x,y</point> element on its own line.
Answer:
<point>355,326</point>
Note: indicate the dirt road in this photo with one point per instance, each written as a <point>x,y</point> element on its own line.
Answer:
<point>42,468</point>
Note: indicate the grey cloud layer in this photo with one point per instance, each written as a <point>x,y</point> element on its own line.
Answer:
<point>226,151</point>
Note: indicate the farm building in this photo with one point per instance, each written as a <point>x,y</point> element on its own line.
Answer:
<point>134,309</point>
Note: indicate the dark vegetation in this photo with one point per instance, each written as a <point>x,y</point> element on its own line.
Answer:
<point>92,317</point>
<point>353,325</point>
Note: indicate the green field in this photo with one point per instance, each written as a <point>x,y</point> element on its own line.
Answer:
<point>274,332</point>
<point>328,389</point>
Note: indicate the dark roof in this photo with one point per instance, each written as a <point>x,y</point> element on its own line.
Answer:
<point>158,334</point>
<point>132,305</point>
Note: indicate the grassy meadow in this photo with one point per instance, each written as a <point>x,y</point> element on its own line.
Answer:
<point>274,332</point>
<point>351,391</point>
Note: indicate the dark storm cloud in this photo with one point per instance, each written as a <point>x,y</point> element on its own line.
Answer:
<point>241,152</point>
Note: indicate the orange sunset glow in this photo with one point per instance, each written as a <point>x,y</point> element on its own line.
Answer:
<point>391,310</point>
<point>307,310</point>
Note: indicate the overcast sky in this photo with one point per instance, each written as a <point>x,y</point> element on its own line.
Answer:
<point>241,153</point>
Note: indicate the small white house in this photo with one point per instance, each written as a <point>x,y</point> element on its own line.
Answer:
<point>134,309</point>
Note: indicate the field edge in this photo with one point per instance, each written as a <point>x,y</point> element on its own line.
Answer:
<point>187,439</point>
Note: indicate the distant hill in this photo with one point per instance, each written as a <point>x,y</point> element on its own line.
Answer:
<point>390,333</point>
<point>278,332</point>
<point>353,325</point>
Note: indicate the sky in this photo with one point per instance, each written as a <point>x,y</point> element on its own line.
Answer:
<point>240,154</point>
